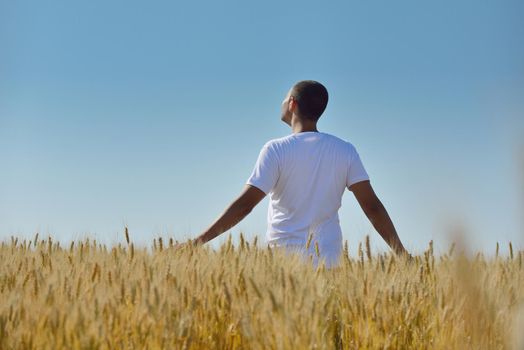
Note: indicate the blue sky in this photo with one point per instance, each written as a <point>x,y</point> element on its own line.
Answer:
<point>152,114</point>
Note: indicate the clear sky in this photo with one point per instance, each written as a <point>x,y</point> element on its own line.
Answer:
<point>152,114</point>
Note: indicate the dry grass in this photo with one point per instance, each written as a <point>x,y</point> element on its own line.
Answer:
<point>247,297</point>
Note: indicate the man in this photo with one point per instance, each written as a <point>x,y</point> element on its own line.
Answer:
<point>306,174</point>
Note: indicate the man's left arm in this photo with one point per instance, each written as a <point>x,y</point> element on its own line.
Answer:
<point>233,214</point>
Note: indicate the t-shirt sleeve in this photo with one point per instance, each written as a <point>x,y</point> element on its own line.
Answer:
<point>356,170</point>
<point>265,173</point>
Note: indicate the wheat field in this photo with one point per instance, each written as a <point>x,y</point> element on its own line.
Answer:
<point>90,296</point>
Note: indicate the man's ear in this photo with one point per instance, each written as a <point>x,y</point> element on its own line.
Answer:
<point>292,105</point>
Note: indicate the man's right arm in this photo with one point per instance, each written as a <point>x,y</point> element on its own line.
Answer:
<point>377,214</point>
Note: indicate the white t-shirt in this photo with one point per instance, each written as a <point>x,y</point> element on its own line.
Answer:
<point>305,175</point>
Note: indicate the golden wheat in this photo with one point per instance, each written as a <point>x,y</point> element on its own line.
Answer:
<point>248,297</point>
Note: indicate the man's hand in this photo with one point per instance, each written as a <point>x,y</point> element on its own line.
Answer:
<point>180,246</point>
<point>377,214</point>
<point>190,242</point>
<point>233,214</point>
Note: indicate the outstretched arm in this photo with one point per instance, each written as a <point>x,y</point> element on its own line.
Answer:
<point>377,214</point>
<point>233,214</point>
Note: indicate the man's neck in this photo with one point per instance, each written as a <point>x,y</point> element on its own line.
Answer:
<point>301,126</point>
<point>298,132</point>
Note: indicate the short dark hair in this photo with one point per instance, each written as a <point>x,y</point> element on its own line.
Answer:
<point>312,98</point>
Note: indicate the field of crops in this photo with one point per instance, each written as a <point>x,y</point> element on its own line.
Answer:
<point>89,296</point>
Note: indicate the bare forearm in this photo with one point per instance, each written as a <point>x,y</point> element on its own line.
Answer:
<point>380,219</point>
<point>229,218</point>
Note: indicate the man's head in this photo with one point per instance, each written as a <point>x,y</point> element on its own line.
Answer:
<point>307,99</point>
